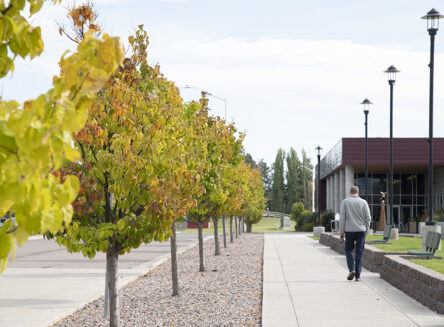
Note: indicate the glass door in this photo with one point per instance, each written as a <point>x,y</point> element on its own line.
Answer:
<point>396,215</point>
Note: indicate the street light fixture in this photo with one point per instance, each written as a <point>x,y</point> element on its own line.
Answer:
<point>210,94</point>
<point>318,193</point>
<point>432,17</point>
<point>366,104</point>
<point>391,72</point>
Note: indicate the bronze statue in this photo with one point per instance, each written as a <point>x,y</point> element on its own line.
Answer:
<point>381,223</point>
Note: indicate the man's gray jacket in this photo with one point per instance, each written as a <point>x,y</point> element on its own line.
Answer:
<point>354,215</point>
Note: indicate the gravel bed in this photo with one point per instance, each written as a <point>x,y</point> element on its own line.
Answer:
<point>229,293</point>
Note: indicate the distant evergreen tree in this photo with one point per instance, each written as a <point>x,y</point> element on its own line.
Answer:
<point>277,188</point>
<point>249,160</point>
<point>306,181</point>
<point>294,186</point>
<point>267,179</point>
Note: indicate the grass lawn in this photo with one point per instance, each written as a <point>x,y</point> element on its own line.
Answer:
<point>315,238</point>
<point>264,225</point>
<point>402,245</point>
<point>411,243</point>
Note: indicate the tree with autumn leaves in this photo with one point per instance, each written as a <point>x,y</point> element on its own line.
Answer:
<point>36,136</point>
<point>255,201</point>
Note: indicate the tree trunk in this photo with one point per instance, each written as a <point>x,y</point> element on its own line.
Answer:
<point>216,236</point>
<point>174,274</point>
<point>249,225</point>
<point>112,266</point>
<point>236,225</point>
<point>241,225</point>
<point>201,249</point>
<point>224,230</point>
<point>231,229</point>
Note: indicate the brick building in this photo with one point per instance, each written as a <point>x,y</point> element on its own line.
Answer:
<point>343,166</point>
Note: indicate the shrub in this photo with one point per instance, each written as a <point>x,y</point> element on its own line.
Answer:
<point>305,220</point>
<point>297,211</point>
<point>307,227</point>
<point>326,217</point>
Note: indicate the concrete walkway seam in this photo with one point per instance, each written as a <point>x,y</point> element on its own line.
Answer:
<point>286,283</point>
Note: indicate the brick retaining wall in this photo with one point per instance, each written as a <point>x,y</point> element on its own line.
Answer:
<point>372,259</point>
<point>423,284</point>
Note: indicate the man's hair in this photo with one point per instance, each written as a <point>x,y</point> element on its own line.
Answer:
<point>354,190</point>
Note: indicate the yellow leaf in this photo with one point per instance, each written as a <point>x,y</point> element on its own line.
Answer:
<point>21,236</point>
<point>70,153</point>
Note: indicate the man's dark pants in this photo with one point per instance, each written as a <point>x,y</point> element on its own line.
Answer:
<point>354,241</point>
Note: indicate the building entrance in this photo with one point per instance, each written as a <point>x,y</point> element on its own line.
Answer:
<point>401,217</point>
<point>408,196</point>
<point>396,216</point>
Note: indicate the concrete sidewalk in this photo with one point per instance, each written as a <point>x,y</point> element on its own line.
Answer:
<point>305,285</point>
<point>45,283</point>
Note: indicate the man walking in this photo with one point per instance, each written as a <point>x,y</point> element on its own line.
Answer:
<point>354,221</point>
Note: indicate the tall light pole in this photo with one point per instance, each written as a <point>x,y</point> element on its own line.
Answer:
<point>318,188</point>
<point>366,104</point>
<point>391,72</point>
<point>210,94</point>
<point>432,18</point>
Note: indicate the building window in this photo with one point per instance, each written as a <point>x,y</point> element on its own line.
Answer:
<point>408,193</point>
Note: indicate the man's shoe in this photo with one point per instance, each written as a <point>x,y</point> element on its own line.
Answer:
<point>358,279</point>
<point>351,275</point>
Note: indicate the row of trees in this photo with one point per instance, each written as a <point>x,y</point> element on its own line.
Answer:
<point>112,156</point>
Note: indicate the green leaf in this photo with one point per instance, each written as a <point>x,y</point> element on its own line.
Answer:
<point>5,244</point>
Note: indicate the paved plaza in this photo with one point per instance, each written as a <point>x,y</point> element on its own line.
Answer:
<point>305,286</point>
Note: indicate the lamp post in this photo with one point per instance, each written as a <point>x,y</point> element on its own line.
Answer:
<point>366,104</point>
<point>432,18</point>
<point>391,72</point>
<point>210,94</point>
<point>318,189</point>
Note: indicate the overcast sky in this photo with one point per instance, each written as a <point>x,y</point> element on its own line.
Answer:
<point>293,72</point>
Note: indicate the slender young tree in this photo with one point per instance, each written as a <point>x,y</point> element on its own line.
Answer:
<point>231,183</point>
<point>255,200</point>
<point>231,229</point>
<point>224,230</point>
<point>193,136</point>
<point>174,268</point>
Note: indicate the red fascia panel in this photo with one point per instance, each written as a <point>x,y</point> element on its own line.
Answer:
<point>406,151</point>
